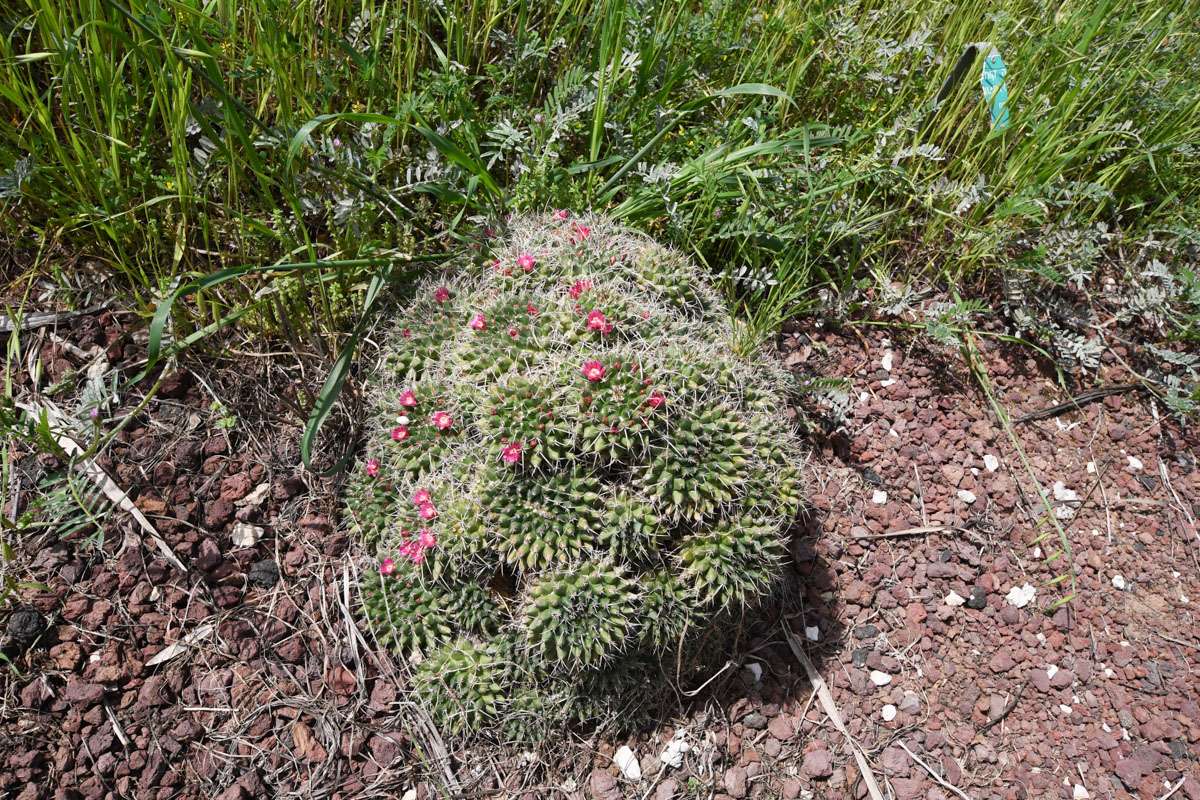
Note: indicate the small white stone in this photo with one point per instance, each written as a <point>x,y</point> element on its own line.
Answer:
<point>1065,708</point>
<point>990,462</point>
<point>1079,793</point>
<point>966,496</point>
<point>975,471</point>
<point>1135,464</point>
<point>755,669</point>
<point>627,762</point>
<point>880,678</point>
<point>1021,596</point>
<point>1183,598</point>
<point>1051,671</point>
<point>1091,467</point>
<point>1064,495</point>
<point>1104,727</point>
<point>892,432</point>
<point>953,600</point>
<point>863,397</point>
<point>1108,673</point>
<point>1037,552</point>
<point>1118,582</point>
<point>245,535</point>
<point>411,794</point>
<point>402,420</point>
<point>879,497</point>
<point>886,362</point>
<point>672,754</point>
<point>886,383</point>
<point>812,633</point>
<point>889,712</point>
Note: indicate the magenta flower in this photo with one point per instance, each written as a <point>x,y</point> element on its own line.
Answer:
<point>560,214</point>
<point>399,434</point>
<point>442,420</point>
<point>421,498</point>
<point>427,511</point>
<point>538,118</point>
<point>372,468</point>
<point>94,413</point>
<point>532,309</point>
<point>656,400</point>
<point>387,567</point>
<point>408,399</point>
<point>583,230</point>
<point>406,333</point>
<point>512,453</point>
<point>526,261</point>
<point>479,322</point>
<point>417,556</point>
<point>442,295</point>
<point>579,288</point>
<point>513,332</point>
<point>427,539</point>
<point>593,370</point>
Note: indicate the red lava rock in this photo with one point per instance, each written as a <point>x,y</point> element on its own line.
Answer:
<point>817,764</point>
<point>895,761</point>
<point>188,455</point>
<point>67,656</point>
<point>735,782</point>
<point>235,487</point>
<point>342,681</point>
<point>288,488</point>
<point>781,728</point>
<point>1062,679</point>
<point>908,789</point>
<point>666,790</point>
<point>1002,662</point>
<point>791,789</point>
<point>604,786</point>
<point>208,556</point>
<point>82,693</point>
<point>175,385</point>
<point>216,446</point>
<point>164,473</point>
<point>219,513</point>
<point>227,596</point>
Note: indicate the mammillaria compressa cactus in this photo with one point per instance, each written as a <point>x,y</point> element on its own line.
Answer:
<point>573,480</point>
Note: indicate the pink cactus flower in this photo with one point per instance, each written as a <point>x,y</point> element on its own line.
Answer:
<point>406,333</point>
<point>579,288</point>
<point>399,433</point>
<point>408,399</point>
<point>596,320</point>
<point>442,295</point>
<point>427,539</point>
<point>561,214</point>
<point>513,332</point>
<point>583,231</point>
<point>479,322</point>
<point>372,468</point>
<point>422,498</point>
<point>526,261</point>
<point>387,566</point>
<point>417,556</point>
<point>531,309</point>
<point>593,370</point>
<point>427,511</point>
<point>656,400</point>
<point>512,453</point>
<point>442,420</point>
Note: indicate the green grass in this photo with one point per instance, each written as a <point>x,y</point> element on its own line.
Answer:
<point>780,143</point>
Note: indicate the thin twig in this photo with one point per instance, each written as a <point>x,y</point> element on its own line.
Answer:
<point>1174,788</point>
<point>1077,402</point>
<point>1007,709</point>
<point>936,777</point>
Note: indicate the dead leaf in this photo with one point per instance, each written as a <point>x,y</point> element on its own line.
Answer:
<point>257,496</point>
<point>302,738</point>
<point>180,647</point>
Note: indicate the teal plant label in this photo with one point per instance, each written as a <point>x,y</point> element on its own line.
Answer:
<point>995,90</point>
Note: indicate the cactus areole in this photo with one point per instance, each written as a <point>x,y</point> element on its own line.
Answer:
<point>572,483</point>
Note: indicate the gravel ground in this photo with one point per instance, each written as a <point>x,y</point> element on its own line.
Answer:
<point>908,588</point>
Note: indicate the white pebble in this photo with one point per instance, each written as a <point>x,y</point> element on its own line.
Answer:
<point>879,497</point>
<point>966,497</point>
<point>887,361</point>
<point>1051,671</point>
<point>1135,465</point>
<point>880,678</point>
<point>1091,467</point>
<point>402,420</point>
<point>627,762</point>
<point>812,633</point>
<point>953,600</point>
<point>1118,582</point>
<point>991,462</point>
<point>755,669</point>
<point>672,754</point>
<point>1021,596</point>
<point>889,712</point>
<point>886,383</point>
<point>1079,793</point>
<point>1065,708</point>
<point>1108,673</point>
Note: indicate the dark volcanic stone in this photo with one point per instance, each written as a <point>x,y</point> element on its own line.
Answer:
<point>978,598</point>
<point>26,624</point>
<point>265,573</point>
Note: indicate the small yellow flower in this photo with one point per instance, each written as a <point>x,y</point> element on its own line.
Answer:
<point>690,142</point>
<point>170,186</point>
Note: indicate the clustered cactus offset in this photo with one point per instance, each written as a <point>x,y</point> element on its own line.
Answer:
<point>572,483</point>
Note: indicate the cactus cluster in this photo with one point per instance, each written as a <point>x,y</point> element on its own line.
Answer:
<point>573,483</point>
